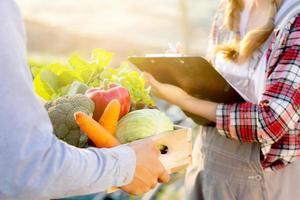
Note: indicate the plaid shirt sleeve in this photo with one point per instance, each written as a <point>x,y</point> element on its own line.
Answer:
<point>278,112</point>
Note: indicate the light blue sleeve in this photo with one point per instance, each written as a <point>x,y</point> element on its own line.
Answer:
<point>33,163</point>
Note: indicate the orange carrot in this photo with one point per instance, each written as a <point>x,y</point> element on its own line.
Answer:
<point>101,137</point>
<point>110,116</point>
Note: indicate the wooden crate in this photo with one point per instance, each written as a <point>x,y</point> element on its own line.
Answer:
<point>179,143</point>
<point>179,154</point>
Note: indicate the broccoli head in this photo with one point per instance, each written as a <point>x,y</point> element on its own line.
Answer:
<point>61,112</point>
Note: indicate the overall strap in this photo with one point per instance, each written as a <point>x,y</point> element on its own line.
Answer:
<point>287,11</point>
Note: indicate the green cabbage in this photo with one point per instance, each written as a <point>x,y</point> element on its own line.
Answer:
<point>141,124</point>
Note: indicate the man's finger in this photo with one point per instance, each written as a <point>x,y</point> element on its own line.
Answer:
<point>154,184</point>
<point>164,177</point>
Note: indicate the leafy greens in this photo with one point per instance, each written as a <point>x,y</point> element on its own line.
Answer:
<point>55,80</point>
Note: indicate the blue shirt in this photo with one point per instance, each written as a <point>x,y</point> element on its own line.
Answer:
<point>34,164</point>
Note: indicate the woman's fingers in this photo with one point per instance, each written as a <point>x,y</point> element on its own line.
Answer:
<point>154,85</point>
<point>145,76</point>
<point>149,79</point>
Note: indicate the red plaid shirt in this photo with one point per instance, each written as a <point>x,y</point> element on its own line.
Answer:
<point>275,121</point>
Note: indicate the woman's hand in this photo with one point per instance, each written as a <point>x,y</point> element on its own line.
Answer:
<point>179,97</point>
<point>170,93</point>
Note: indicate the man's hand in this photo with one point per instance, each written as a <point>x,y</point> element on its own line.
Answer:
<point>149,169</point>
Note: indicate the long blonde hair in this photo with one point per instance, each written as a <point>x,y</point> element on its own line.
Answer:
<point>241,49</point>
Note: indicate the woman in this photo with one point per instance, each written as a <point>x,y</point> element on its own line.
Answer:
<point>253,152</point>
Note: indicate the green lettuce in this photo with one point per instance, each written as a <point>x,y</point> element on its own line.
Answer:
<point>52,81</point>
<point>141,124</point>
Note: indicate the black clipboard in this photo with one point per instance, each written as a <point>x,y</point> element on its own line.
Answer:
<point>195,75</point>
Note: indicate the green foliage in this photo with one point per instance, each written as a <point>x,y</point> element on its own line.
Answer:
<point>35,66</point>
<point>130,79</point>
<point>55,80</point>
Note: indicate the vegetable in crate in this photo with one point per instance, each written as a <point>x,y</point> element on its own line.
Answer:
<point>55,80</point>
<point>97,133</point>
<point>110,116</point>
<point>141,124</point>
<point>61,112</point>
<point>102,98</point>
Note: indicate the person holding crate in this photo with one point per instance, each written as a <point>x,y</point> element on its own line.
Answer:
<point>254,150</point>
<point>34,164</point>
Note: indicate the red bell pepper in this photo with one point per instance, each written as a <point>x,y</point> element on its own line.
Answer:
<point>102,97</point>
